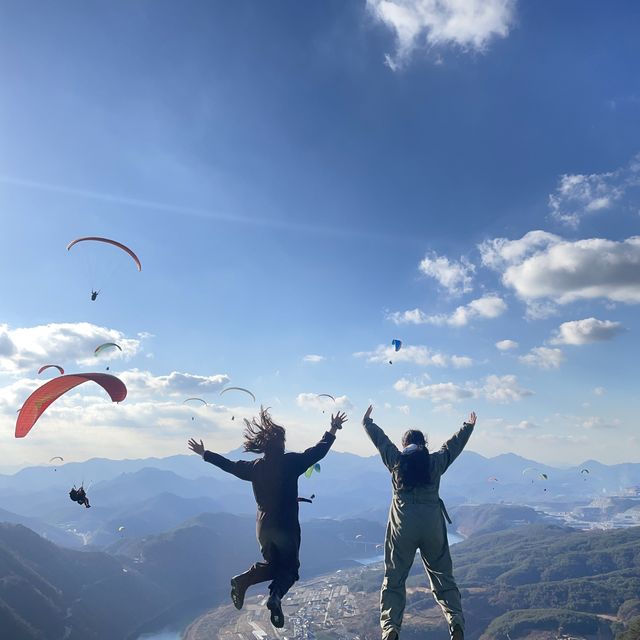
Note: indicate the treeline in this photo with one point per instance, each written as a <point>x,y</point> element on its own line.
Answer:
<point>546,577</point>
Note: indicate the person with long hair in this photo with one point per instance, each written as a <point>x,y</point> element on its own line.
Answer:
<point>274,477</point>
<point>417,522</point>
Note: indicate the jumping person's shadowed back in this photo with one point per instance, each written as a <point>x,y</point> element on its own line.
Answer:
<point>274,478</point>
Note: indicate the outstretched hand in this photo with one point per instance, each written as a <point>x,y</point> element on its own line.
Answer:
<point>472,418</point>
<point>338,420</point>
<point>196,447</point>
<point>367,415</point>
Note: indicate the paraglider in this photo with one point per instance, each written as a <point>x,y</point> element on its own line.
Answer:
<point>48,366</point>
<point>238,389</point>
<point>492,479</point>
<point>107,241</point>
<point>196,399</point>
<point>107,345</point>
<point>316,467</point>
<point>309,500</point>
<point>36,404</point>
<point>359,536</point>
<point>80,496</point>
<point>326,395</point>
<point>396,344</point>
<point>94,294</point>
<point>56,458</point>
<point>584,471</point>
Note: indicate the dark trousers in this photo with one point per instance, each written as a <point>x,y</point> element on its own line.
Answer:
<point>280,547</point>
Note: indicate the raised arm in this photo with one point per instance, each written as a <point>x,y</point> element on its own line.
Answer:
<point>388,451</point>
<point>241,469</point>
<point>453,447</point>
<point>314,454</point>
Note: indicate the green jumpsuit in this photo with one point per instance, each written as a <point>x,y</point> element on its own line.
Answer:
<point>416,522</point>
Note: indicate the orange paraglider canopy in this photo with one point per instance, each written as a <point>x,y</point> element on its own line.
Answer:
<point>115,243</point>
<point>36,404</point>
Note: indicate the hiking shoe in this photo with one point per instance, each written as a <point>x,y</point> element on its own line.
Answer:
<point>275,606</point>
<point>238,589</point>
<point>457,633</point>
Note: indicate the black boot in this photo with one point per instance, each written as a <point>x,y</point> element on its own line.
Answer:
<point>238,589</point>
<point>274,605</point>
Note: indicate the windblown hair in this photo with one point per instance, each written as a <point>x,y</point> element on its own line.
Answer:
<point>413,436</point>
<point>263,435</point>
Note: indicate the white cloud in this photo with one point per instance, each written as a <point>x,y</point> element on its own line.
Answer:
<point>443,392</point>
<point>503,389</point>
<point>486,307</point>
<point>455,277</point>
<point>415,354</point>
<point>579,195</point>
<point>499,253</point>
<point>468,24</point>
<point>413,316</point>
<point>597,422</point>
<point>313,358</point>
<point>145,384</point>
<point>506,345</point>
<point>586,331</point>
<point>25,349</point>
<point>523,425</point>
<point>313,401</point>
<point>599,391</point>
<point>550,269</point>
<point>500,389</point>
<point>543,358</point>
<point>460,362</point>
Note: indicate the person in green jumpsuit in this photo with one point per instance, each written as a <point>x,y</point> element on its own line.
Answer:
<point>417,522</point>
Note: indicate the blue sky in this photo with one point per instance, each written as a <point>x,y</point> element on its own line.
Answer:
<point>316,179</point>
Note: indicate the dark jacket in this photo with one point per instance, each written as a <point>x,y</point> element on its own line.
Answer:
<point>275,477</point>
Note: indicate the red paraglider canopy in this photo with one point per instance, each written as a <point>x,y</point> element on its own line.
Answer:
<point>115,243</point>
<point>47,366</point>
<point>36,404</point>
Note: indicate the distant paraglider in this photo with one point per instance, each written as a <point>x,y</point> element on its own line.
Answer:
<point>396,344</point>
<point>37,403</point>
<point>326,395</point>
<point>238,389</point>
<point>48,366</point>
<point>80,496</point>
<point>103,347</point>
<point>316,467</point>
<point>115,243</point>
<point>56,458</point>
<point>204,402</point>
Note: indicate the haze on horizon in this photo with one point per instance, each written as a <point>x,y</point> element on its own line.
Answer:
<point>304,183</point>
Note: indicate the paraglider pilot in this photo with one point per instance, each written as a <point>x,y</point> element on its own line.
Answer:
<point>80,496</point>
<point>417,522</point>
<point>274,477</point>
<point>94,294</point>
